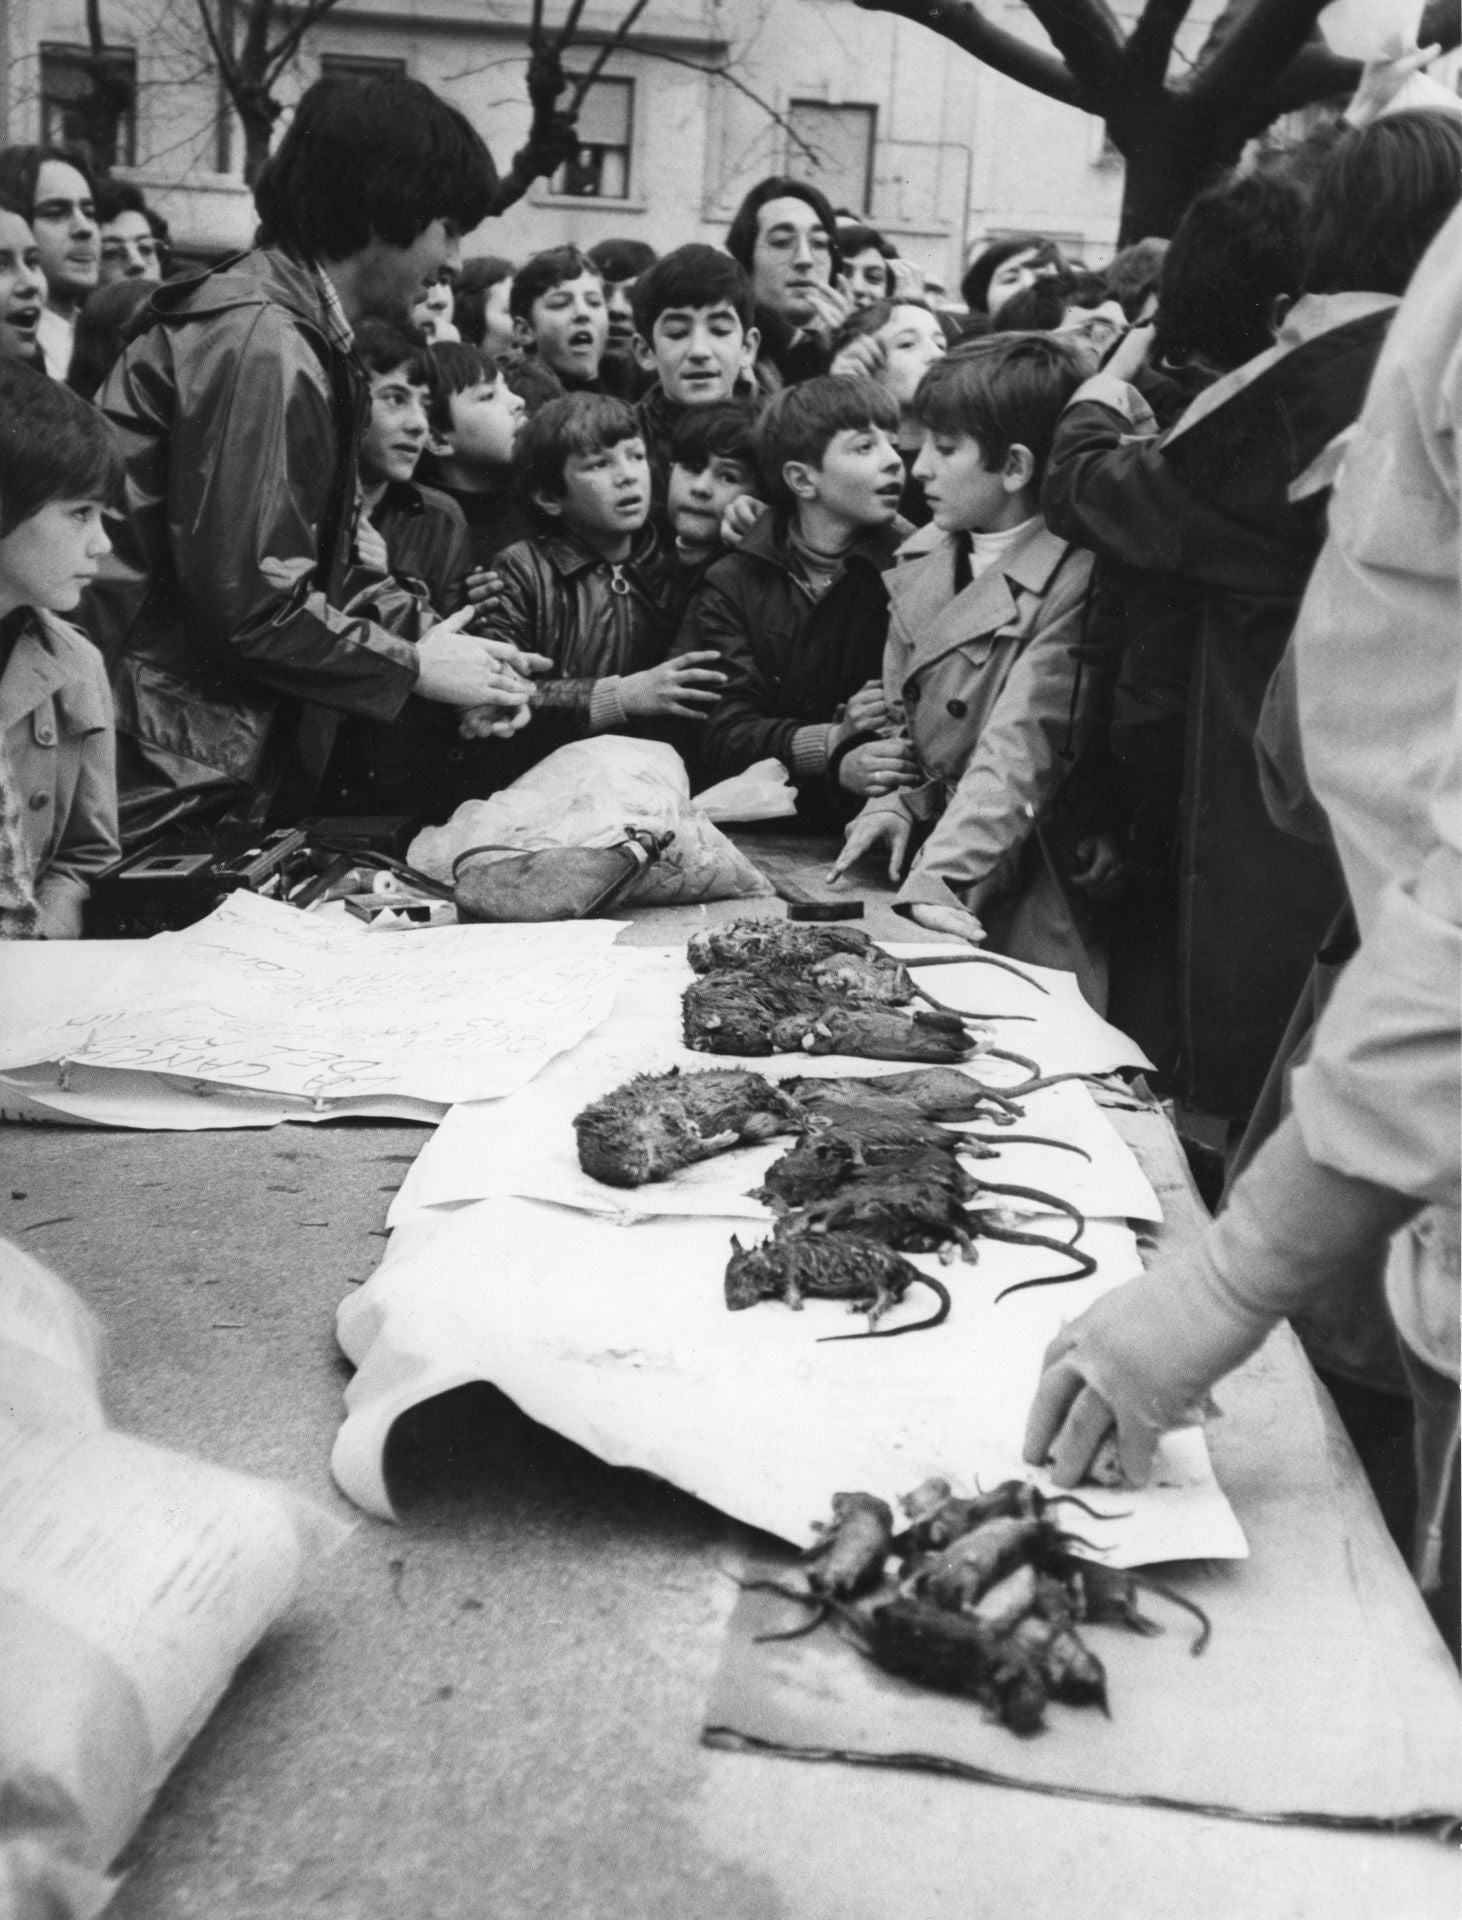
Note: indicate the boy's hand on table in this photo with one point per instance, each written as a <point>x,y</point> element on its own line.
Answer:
<point>879,767</point>
<point>684,688</point>
<point>870,830</point>
<point>867,710</point>
<point>955,920</point>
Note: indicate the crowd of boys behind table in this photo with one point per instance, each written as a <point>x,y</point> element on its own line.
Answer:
<point>1008,584</point>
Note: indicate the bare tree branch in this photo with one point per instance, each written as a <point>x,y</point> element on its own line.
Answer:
<point>1086,34</point>
<point>1254,43</point>
<point>615,41</point>
<point>734,80</point>
<point>962,23</point>
<point>1314,74</point>
<point>1150,43</point>
<point>287,46</point>
<point>570,26</point>
<point>223,55</point>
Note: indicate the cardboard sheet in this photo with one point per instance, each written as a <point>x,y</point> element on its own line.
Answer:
<point>263,1000</point>
<point>525,1145</point>
<point>619,1338</point>
<point>1310,1703</point>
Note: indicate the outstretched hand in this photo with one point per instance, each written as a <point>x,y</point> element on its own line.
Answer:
<point>872,828</point>
<point>683,688</point>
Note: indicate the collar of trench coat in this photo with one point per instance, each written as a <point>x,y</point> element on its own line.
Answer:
<point>935,619</point>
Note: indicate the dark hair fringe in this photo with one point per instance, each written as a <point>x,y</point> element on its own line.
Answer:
<point>872,319</point>
<point>381,157</point>
<point>621,259</point>
<point>1381,200</point>
<point>455,367</point>
<point>20,170</point>
<point>800,422</point>
<point>691,276</point>
<point>579,423</point>
<point>542,272</point>
<point>1238,248</point>
<point>725,430</point>
<point>1005,390</point>
<point>974,288</point>
<point>53,446</point>
<point>384,345</point>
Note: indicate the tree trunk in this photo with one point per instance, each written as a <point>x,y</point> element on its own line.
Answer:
<point>1170,155</point>
<point>257,116</point>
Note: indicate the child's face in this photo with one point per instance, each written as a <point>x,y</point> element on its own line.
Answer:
<point>866,277</point>
<point>486,420</point>
<point>698,352</point>
<point>51,558</point>
<point>963,493</point>
<point>1014,275</point>
<point>570,326</point>
<point>395,435</point>
<point>912,341</point>
<point>606,495</point>
<point>619,313</point>
<point>432,312</point>
<point>22,287</point>
<point>859,480</point>
<point>695,501</point>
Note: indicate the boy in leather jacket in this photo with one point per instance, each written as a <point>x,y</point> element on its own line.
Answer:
<point>593,589</point>
<point>799,612</point>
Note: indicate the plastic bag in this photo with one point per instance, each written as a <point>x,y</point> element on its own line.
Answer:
<point>133,1580</point>
<point>585,795</point>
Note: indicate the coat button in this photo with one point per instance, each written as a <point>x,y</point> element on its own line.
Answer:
<point>45,736</point>
<point>957,708</point>
<point>39,800</point>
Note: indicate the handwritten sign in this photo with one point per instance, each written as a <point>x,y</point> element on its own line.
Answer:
<point>259,996</point>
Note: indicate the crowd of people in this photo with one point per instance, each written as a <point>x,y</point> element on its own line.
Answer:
<point>1008,587</point>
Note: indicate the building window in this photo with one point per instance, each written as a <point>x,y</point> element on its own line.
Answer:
<point>360,66</point>
<point>67,84</point>
<point>606,122</point>
<point>842,139</point>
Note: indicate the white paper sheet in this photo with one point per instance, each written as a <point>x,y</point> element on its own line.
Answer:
<point>525,1145</point>
<point>619,1338</point>
<point>261,998</point>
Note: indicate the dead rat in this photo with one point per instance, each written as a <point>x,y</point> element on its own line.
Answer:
<point>832,1266</point>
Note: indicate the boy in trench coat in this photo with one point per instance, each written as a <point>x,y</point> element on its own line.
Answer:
<point>982,667</point>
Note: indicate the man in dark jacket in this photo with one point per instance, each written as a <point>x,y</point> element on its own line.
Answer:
<point>225,618</point>
<point>1213,505</point>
